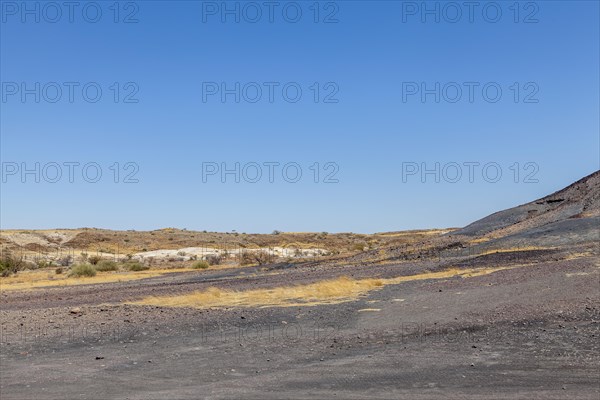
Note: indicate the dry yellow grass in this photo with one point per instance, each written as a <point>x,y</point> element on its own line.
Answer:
<point>480,240</point>
<point>324,292</point>
<point>333,291</point>
<point>27,280</point>
<point>514,249</point>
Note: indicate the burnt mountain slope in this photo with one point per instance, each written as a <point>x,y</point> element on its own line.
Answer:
<point>569,215</point>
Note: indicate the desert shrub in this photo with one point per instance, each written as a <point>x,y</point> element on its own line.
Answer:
<point>135,266</point>
<point>10,264</point>
<point>263,257</point>
<point>41,263</point>
<point>257,257</point>
<point>65,261</point>
<point>58,270</point>
<point>213,259</point>
<point>358,247</point>
<point>106,265</point>
<point>246,258</point>
<point>200,265</point>
<point>83,270</point>
<point>94,260</point>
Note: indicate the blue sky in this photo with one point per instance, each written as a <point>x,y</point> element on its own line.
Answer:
<point>364,122</point>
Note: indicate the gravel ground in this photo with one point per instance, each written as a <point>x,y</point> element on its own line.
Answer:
<point>529,332</point>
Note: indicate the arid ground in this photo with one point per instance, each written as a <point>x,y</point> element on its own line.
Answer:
<point>505,308</point>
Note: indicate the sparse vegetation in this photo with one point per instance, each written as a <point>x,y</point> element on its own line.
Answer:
<point>260,257</point>
<point>10,264</point>
<point>65,261</point>
<point>135,266</point>
<point>94,260</point>
<point>213,259</point>
<point>107,265</point>
<point>200,265</point>
<point>323,292</point>
<point>82,270</point>
<point>42,263</point>
<point>358,247</point>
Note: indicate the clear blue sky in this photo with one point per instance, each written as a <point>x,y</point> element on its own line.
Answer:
<point>367,56</point>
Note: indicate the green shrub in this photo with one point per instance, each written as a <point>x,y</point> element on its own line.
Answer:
<point>82,270</point>
<point>41,263</point>
<point>107,265</point>
<point>200,265</point>
<point>135,266</point>
<point>10,265</point>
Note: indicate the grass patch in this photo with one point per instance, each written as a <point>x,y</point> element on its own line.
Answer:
<point>135,266</point>
<point>324,292</point>
<point>200,265</point>
<point>333,291</point>
<point>82,270</point>
<point>106,265</point>
<point>38,279</point>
